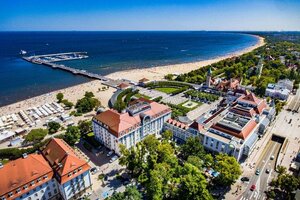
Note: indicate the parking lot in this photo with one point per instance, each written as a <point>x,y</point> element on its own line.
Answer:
<point>101,165</point>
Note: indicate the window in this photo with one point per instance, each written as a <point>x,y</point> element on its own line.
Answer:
<point>36,194</point>
<point>45,177</point>
<point>55,191</point>
<point>79,169</point>
<point>49,194</point>
<point>3,198</point>
<point>18,190</point>
<point>10,194</point>
<point>39,179</point>
<point>70,174</point>
<point>32,183</point>
<point>217,145</point>
<point>25,187</point>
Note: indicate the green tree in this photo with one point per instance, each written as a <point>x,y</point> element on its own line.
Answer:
<point>89,94</point>
<point>196,161</point>
<point>193,184</point>
<point>87,104</point>
<point>229,169</point>
<point>130,193</point>
<point>72,135</point>
<point>192,147</point>
<point>167,135</point>
<point>67,103</point>
<point>85,126</point>
<point>53,127</point>
<point>36,135</point>
<point>59,97</point>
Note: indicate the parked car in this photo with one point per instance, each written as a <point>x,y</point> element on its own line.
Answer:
<point>267,171</point>
<point>272,157</point>
<point>257,172</point>
<point>109,153</point>
<point>93,170</point>
<point>245,179</point>
<point>253,187</point>
<point>113,159</point>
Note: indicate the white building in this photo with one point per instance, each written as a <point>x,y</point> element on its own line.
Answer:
<point>233,129</point>
<point>281,90</point>
<point>143,117</point>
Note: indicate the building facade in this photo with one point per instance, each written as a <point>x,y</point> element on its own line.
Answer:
<point>143,117</point>
<point>281,90</point>
<point>57,173</point>
<point>232,129</point>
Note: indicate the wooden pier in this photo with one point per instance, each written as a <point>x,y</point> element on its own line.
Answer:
<point>49,59</point>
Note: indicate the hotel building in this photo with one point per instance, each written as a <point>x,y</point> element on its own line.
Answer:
<point>57,173</point>
<point>141,118</point>
<point>232,129</point>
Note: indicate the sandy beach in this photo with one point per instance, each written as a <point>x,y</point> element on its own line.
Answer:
<point>156,73</point>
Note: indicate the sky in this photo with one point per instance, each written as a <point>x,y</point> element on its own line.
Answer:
<point>107,15</point>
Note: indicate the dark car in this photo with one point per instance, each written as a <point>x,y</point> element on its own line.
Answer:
<point>245,179</point>
<point>105,178</point>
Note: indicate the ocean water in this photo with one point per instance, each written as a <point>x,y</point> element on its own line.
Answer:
<point>108,52</point>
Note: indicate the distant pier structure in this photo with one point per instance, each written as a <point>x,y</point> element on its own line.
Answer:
<point>50,59</point>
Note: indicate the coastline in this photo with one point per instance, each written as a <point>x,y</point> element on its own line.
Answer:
<point>76,92</point>
<point>158,73</point>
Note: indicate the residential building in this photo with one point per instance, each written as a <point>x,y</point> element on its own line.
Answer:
<point>281,90</point>
<point>232,129</point>
<point>70,170</point>
<point>143,117</point>
<point>28,178</point>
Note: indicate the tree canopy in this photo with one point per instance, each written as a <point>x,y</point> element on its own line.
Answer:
<point>72,135</point>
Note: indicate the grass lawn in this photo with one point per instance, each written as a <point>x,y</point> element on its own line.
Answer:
<point>167,90</point>
<point>190,109</point>
<point>138,95</point>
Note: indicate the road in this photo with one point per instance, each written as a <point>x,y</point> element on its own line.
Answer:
<point>261,181</point>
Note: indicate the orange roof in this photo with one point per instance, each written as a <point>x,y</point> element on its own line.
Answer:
<point>22,171</point>
<point>123,85</point>
<point>250,98</point>
<point>143,80</point>
<point>177,124</point>
<point>119,122</point>
<point>239,134</point>
<point>63,159</point>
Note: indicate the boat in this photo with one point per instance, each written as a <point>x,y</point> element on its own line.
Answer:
<point>23,52</point>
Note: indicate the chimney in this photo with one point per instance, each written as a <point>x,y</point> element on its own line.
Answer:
<point>24,155</point>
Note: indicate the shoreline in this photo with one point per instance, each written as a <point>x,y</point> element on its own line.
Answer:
<point>158,72</point>
<point>76,92</point>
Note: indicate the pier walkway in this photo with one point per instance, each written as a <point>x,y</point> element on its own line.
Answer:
<point>49,59</point>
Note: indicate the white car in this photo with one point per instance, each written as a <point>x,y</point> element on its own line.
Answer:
<point>113,159</point>
<point>109,153</point>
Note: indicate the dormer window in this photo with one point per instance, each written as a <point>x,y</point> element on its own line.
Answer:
<point>39,179</point>
<point>79,169</point>
<point>45,177</point>
<point>18,190</point>
<point>10,194</point>
<point>70,174</point>
<point>25,187</point>
<point>32,183</point>
<point>3,198</point>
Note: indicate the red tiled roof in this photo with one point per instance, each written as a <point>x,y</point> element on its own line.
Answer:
<point>249,98</point>
<point>177,124</point>
<point>123,85</point>
<point>239,134</point>
<point>23,171</point>
<point>119,122</point>
<point>143,80</point>
<point>63,159</point>
<point>197,126</point>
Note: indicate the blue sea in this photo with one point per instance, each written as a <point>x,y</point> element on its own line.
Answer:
<point>108,52</point>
